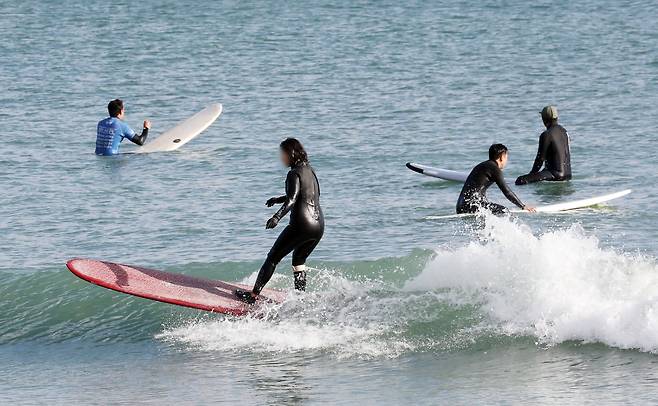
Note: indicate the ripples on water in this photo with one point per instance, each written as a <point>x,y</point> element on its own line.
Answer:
<point>367,87</point>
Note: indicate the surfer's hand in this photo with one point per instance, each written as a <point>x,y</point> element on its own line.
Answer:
<point>530,209</point>
<point>271,201</point>
<point>271,223</point>
<point>147,124</point>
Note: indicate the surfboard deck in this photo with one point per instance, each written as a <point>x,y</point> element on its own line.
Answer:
<point>445,174</point>
<point>183,132</point>
<point>553,208</point>
<point>183,290</point>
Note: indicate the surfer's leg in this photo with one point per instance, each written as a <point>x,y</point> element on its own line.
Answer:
<point>303,251</point>
<point>535,177</point>
<point>467,208</point>
<point>495,208</point>
<point>464,206</point>
<point>299,277</point>
<point>299,256</point>
<point>287,241</point>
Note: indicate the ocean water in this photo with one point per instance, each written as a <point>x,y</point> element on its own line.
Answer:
<point>544,309</point>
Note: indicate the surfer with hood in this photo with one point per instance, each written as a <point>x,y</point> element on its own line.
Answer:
<point>306,227</point>
<point>473,196</point>
<point>111,131</point>
<point>553,152</point>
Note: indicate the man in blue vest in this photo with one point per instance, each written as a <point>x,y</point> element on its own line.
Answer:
<point>112,130</point>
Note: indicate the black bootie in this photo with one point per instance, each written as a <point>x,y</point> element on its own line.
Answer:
<point>245,296</point>
<point>300,281</point>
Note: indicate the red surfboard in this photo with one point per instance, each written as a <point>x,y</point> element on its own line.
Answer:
<point>178,289</point>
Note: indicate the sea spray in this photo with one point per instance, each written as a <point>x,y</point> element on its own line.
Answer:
<point>344,320</point>
<point>507,284</point>
<point>557,286</point>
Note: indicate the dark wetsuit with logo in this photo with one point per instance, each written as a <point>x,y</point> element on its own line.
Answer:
<point>473,196</point>
<point>306,226</point>
<point>554,154</point>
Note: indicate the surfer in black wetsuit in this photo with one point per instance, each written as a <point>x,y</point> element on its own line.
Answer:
<point>553,152</point>
<point>306,226</point>
<point>473,196</point>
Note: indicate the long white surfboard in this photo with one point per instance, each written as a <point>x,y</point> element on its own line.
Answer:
<point>554,208</point>
<point>445,174</point>
<point>183,132</point>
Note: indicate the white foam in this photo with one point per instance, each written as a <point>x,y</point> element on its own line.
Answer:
<point>558,286</point>
<point>341,321</point>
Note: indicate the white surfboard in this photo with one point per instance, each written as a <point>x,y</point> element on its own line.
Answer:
<point>553,208</point>
<point>445,174</point>
<point>183,132</point>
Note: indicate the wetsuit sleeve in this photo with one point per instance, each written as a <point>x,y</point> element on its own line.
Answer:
<point>292,193</point>
<point>141,138</point>
<point>500,181</point>
<point>541,153</point>
<point>130,134</point>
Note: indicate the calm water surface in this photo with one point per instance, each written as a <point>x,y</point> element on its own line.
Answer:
<point>543,309</point>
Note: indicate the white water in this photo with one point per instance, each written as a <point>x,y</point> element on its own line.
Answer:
<point>340,319</point>
<point>558,286</point>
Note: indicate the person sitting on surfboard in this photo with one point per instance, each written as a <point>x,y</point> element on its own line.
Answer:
<point>306,226</point>
<point>553,152</point>
<point>473,196</point>
<point>112,130</point>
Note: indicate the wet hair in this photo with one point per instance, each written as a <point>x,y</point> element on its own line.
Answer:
<point>295,151</point>
<point>114,107</point>
<point>496,151</point>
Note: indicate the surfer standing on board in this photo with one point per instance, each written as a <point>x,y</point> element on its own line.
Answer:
<point>306,227</point>
<point>553,152</point>
<point>112,130</point>
<point>473,196</point>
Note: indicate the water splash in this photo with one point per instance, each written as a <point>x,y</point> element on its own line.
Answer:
<point>558,286</point>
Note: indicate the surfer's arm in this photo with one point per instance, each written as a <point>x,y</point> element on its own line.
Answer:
<point>137,139</point>
<point>511,196</point>
<point>141,138</point>
<point>317,182</point>
<point>541,153</point>
<point>292,193</point>
<point>275,200</point>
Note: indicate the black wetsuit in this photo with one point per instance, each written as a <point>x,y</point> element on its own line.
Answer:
<point>554,152</point>
<point>141,138</point>
<point>474,193</point>
<point>306,226</point>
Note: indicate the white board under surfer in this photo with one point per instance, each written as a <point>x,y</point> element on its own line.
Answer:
<point>553,208</point>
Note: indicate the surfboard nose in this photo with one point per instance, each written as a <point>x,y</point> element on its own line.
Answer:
<point>70,264</point>
<point>414,168</point>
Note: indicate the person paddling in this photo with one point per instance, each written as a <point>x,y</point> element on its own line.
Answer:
<point>473,196</point>
<point>306,227</point>
<point>111,131</point>
<point>553,153</point>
